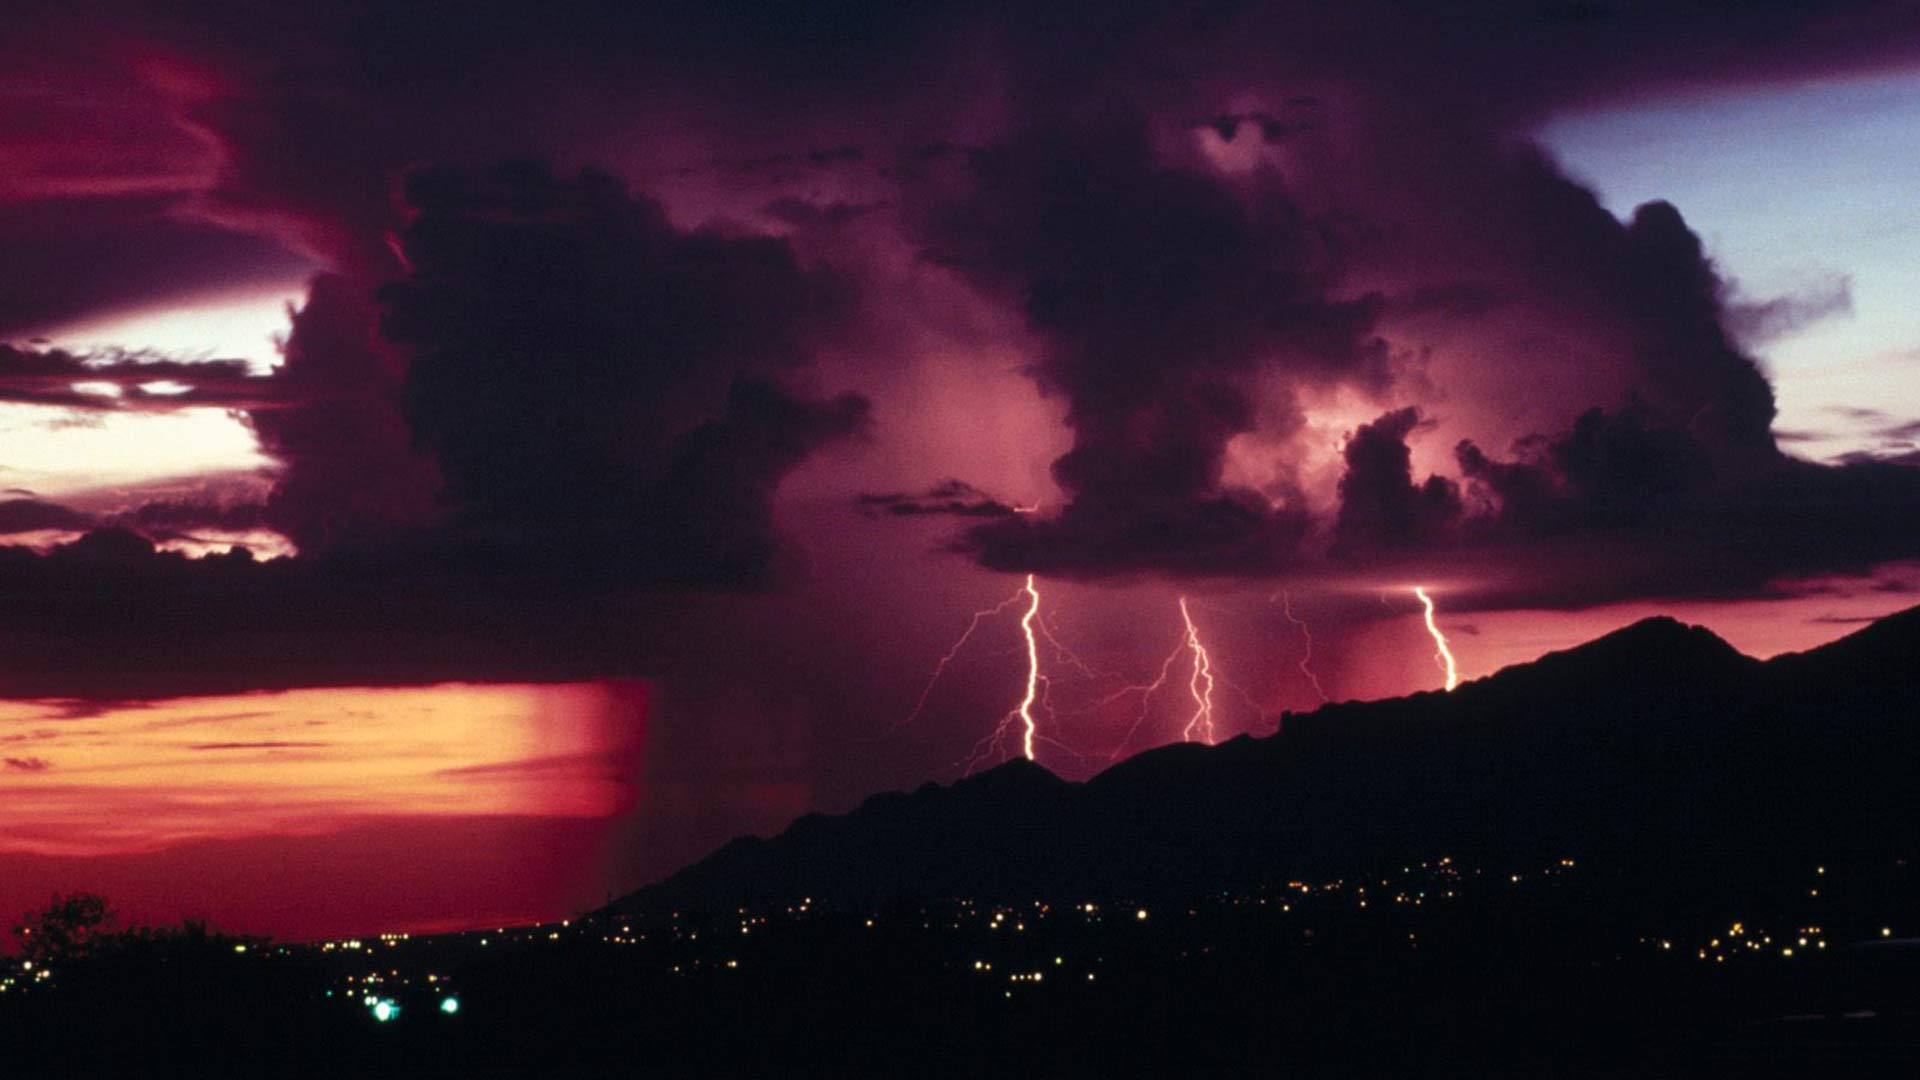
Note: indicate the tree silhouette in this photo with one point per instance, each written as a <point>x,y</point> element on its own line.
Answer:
<point>71,927</point>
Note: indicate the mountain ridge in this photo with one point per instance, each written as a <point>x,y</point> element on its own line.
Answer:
<point>1648,745</point>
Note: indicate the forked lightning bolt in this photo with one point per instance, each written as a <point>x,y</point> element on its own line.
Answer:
<point>1021,719</point>
<point>1029,729</point>
<point>1200,684</point>
<point>1306,635</point>
<point>1442,655</point>
<point>954,651</point>
<point>1146,692</point>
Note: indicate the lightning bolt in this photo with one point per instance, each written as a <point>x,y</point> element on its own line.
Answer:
<point>1067,656</point>
<point>1022,714</point>
<point>1200,684</point>
<point>1442,655</point>
<point>1306,635</point>
<point>1146,692</point>
<point>1025,708</point>
<point>954,651</point>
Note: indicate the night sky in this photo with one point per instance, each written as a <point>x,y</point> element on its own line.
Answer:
<point>460,465</point>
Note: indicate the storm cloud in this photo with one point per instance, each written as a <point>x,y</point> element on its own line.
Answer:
<point>1294,288</point>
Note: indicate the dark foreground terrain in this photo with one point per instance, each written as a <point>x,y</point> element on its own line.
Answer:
<point>1647,856</point>
<point>1439,969</point>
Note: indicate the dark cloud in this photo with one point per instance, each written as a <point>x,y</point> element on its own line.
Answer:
<point>158,511</point>
<point>350,473</point>
<point>1648,502</point>
<point>28,764</point>
<point>801,213</point>
<point>108,618</point>
<point>1901,456</point>
<point>1612,470</point>
<point>1757,322</point>
<point>1159,295</point>
<point>1796,435</point>
<point>955,498</point>
<point>818,158</point>
<point>1656,275</point>
<point>182,518</point>
<point>1380,504</point>
<point>596,385</point>
<point>32,515</point>
<point>1676,488</point>
<point>128,382</point>
<point>71,257</point>
<point>1903,431</point>
<point>1269,127</point>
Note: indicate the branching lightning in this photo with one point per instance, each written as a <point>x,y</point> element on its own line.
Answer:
<point>953,651</point>
<point>1146,692</point>
<point>1200,684</point>
<point>1067,656</point>
<point>1020,728</point>
<point>1442,655</point>
<point>1021,714</point>
<point>1306,636</point>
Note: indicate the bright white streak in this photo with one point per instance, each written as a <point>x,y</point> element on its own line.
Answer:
<point>1442,655</point>
<point>1202,720</point>
<point>1033,668</point>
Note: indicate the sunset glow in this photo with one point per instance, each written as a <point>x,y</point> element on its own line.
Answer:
<point>308,812</point>
<point>143,776</point>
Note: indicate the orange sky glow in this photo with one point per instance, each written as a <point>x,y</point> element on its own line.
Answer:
<point>503,773</point>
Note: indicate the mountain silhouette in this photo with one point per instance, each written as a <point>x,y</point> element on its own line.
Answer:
<point>1658,753</point>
